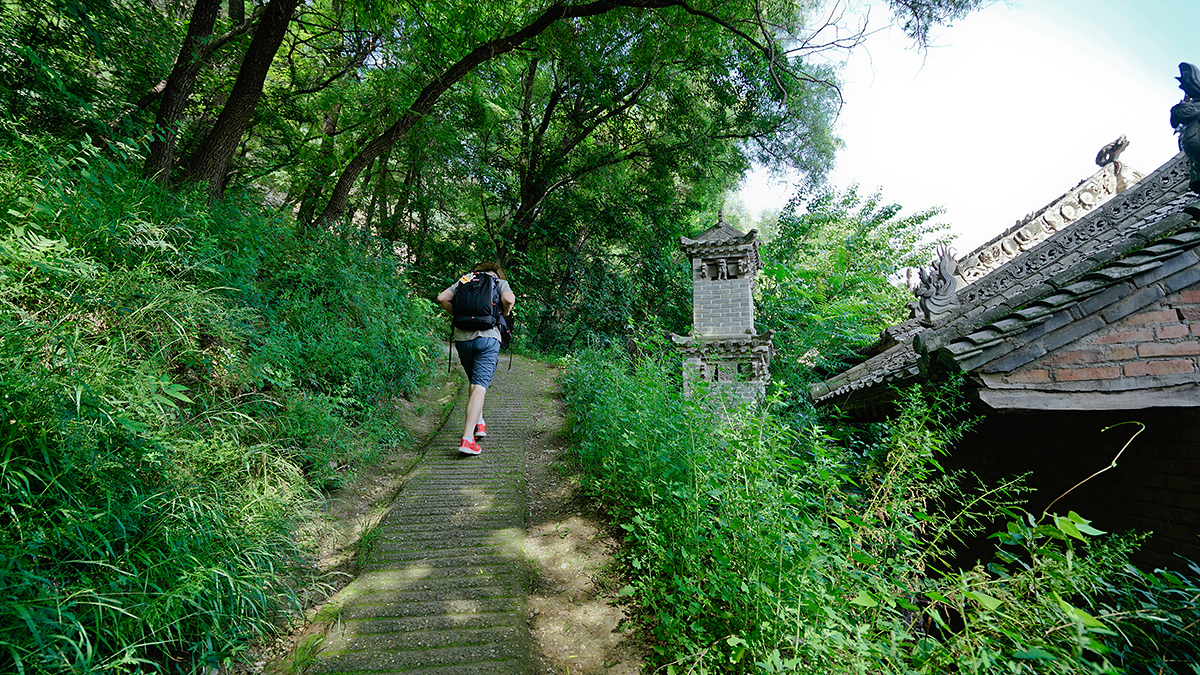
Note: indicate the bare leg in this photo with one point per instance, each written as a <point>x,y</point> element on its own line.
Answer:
<point>474,410</point>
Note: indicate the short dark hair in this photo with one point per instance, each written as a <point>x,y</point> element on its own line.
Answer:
<point>489,266</point>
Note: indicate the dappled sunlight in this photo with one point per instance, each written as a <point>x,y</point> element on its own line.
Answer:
<point>572,615</point>
<point>393,579</point>
<point>478,500</point>
<point>508,540</point>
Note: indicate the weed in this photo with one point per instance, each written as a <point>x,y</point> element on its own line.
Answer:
<point>177,378</point>
<point>758,547</point>
<point>304,654</point>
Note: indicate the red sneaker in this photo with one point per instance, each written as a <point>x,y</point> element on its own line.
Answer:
<point>469,447</point>
<point>480,431</point>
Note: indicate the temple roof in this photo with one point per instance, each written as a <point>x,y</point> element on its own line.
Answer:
<point>1056,284</point>
<point>722,240</point>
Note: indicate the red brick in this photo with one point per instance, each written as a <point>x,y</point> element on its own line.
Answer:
<point>1178,532</point>
<point>1167,497</point>
<point>1075,357</point>
<point>1093,373</point>
<point>1154,316</point>
<point>1034,376</point>
<point>1122,353</point>
<point>1159,513</point>
<point>1190,312</point>
<point>1196,329</point>
<point>1167,367</point>
<point>1169,348</point>
<point>1171,331</point>
<point>1133,335</point>
<point>1188,296</point>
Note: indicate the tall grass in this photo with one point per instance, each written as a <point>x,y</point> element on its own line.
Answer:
<point>177,381</point>
<point>757,547</point>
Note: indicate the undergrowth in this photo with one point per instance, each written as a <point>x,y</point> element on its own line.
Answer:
<point>758,547</point>
<point>178,380</point>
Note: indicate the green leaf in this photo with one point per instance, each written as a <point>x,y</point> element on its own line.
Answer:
<point>1034,653</point>
<point>840,523</point>
<point>627,591</point>
<point>1067,527</point>
<point>1084,525</point>
<point>1078,614</point>
<point>864,599</point>
<point>989,603</point>
<point>863,558</point>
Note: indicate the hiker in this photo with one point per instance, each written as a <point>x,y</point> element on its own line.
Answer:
<point>478,346</point>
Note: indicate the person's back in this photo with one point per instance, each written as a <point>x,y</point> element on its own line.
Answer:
<point>477,337</point>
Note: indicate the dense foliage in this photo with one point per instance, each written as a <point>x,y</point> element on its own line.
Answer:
<point>758,547</point>
<point>217,218</point>
<point>834,278</point>
<point>179,379</point>
<point>573,142</point>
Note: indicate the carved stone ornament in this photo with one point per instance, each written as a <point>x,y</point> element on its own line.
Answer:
<point>937,298</point>
<point>1185,120</point>
<point>1112,178</point>
<point>1112,152</point>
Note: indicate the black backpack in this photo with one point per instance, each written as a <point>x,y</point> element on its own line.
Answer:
<point>477,302</point>
<point>477,307</point>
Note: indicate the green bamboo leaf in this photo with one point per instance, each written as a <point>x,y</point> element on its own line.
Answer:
<point>1078,614</point>
<point>988,602</point>
<point>1034,653</point>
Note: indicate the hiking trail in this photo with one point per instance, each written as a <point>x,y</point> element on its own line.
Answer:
<point>484,564</point>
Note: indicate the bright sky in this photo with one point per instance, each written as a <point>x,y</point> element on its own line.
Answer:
<point>1010,109</point>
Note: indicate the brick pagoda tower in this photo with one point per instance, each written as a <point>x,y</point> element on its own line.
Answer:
<point>723,346</point>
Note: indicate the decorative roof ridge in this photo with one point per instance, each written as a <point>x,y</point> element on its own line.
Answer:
<point>748,339</point>
<point>720,234</point>
<point>1102,235</point>
<point>1110,180</point>
<point>1094,289</point>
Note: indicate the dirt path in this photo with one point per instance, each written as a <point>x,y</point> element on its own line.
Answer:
<point>488,564</point>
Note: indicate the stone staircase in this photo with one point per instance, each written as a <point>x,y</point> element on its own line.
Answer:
<point>443,587</point>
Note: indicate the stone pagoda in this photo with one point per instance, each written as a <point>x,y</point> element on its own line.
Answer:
<point>723,346</point>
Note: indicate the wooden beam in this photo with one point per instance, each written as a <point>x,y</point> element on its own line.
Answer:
<point>1181,396</point>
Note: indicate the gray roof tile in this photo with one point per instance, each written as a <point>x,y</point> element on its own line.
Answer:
<point>1097,276</point>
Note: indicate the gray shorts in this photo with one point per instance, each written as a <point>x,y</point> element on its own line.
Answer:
<point>479,358</point>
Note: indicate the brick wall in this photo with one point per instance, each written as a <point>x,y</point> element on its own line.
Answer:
<point>1160,343</point>
<point>722,306</point>
<point>1154,487</point>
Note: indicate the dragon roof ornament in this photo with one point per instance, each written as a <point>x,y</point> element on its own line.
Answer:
<point>937,291</point>
<point>1185,120</point>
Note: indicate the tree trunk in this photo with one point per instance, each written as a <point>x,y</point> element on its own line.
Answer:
<point>322,168</point>
<point>178,90</point>
<point>212,159</point>
<point>237,11</point>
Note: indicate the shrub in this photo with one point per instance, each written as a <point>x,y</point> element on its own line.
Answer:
<point>177,379</point>
<point>756,547</point>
